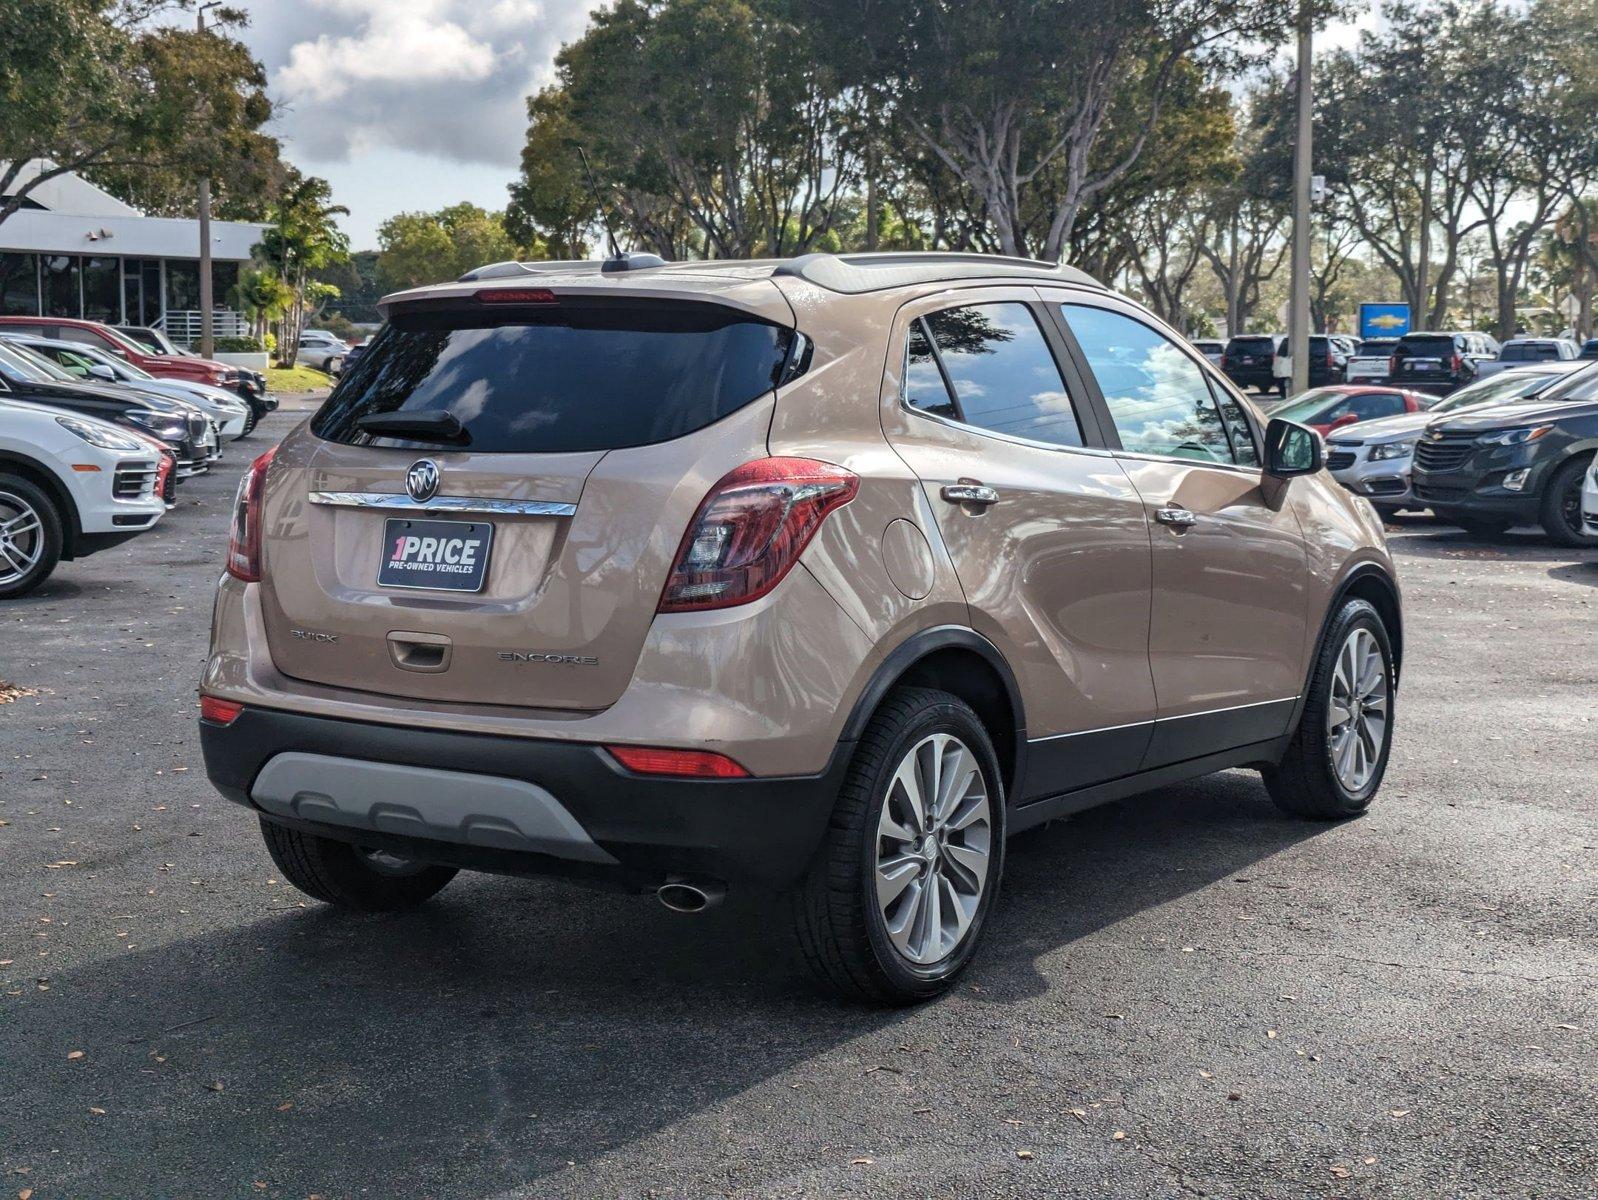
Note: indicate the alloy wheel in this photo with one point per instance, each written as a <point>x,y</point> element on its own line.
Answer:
<point>934,843</point>
<point>1570,505</point>
<point>21,537</point>
<point>1357,716</point>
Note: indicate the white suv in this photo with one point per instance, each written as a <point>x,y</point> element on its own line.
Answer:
<point>321,349</point>
<point>70,486</point>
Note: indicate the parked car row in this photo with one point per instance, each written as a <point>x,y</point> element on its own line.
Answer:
<point>1261,360</point>
<point>93,444</point>
<point>1513,448</point>
<point>1435,362</point>
<point>164,362</point>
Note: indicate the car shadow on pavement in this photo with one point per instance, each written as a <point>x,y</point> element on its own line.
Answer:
<point>1423,538</point>
<point>512,1028</point>
<point>1585,571</point>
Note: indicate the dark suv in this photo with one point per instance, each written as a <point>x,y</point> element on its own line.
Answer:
<point>1328,359</point>
<point>1247,361</point>
<point>1514,464</point>
<point>1440,362</point>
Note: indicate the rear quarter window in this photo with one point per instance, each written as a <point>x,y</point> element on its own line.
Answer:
<point>562,378</point>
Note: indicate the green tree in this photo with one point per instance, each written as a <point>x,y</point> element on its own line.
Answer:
<point>263,296</point>
<point>714,127</point>
<point>418,248</point>
<point>1020,99</point>
<point>303,240</point>
<point>145,109</point>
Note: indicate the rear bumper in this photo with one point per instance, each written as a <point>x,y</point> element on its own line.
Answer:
<point>1259,378</point>
<point>484,802</point>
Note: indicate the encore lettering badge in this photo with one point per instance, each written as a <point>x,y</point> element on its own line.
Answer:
<point>439,555</point>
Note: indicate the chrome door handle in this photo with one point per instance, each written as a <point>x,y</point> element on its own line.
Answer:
<point>969,493</point>
<point>1181,518</point>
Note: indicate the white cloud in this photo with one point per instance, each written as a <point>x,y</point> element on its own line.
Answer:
<point>443,78</point>
<point>415,48</point>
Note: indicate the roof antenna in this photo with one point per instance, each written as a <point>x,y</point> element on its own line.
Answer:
<point>599,199</point>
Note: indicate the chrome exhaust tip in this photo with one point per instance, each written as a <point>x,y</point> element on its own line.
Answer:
<point>689,895</point>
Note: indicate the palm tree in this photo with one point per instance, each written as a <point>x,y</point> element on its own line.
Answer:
<point>302,239</point>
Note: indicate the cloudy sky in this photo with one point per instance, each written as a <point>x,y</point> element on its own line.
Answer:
<point>408,104</point>
<point>412,104</point>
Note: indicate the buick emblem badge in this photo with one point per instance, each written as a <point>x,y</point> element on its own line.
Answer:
<point>421,481</point>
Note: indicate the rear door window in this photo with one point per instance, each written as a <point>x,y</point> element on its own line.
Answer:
<point>1157,396</point>
<point>1001,375</point>
<point>1368,406</point>
<point>560,378</point>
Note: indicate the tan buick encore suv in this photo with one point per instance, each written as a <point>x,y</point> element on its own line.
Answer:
<point>819,576</point>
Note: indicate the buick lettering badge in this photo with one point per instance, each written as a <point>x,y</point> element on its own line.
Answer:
<point>421,481</point>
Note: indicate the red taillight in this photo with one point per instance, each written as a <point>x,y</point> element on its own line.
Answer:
<point>219,712</point>
<point>516,296</point>
<point>1329,358</point>
<point>162,473</point>
<point>1459,363</point>
<point>244,547</point>
<point>1392,365</point>
<point>751,529</point>
<point>696,764</point>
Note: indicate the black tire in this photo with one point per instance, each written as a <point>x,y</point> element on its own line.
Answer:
<point>1305,783</point>
<point>1560,512</point>
<point>1387,512</point>
<point>19,498</point>
<point>1482,527</point>
<point>842,931</point>
<point>341,874</point>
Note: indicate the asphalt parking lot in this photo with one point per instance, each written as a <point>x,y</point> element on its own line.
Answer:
<point>1183,994</point>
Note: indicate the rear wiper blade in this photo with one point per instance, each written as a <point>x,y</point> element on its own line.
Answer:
<point>435,426</point>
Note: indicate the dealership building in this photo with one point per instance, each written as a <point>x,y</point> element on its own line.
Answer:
<point>74,250</point>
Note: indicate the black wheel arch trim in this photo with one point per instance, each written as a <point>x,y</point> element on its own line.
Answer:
<point>41,475</point>
<point>1356,574</point>
<point>920,645</point>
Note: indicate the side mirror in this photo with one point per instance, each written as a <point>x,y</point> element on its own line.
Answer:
<point>1292,450</point>
<point>101,371</point>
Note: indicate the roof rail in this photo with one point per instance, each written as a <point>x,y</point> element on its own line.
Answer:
<point>634,261</point>
<point>854,274</point>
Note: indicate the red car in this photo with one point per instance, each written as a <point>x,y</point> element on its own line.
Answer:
<point>1324,409</point>
<point>103,337</point>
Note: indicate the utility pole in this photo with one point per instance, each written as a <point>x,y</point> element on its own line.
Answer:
<point>1298,297</point>
<point>207,329</point>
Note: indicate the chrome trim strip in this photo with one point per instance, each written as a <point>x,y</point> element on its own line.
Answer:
<point>1208,712</point>
<point>445,504</point>
<point>1055,737</point>
<point>1093,451</point>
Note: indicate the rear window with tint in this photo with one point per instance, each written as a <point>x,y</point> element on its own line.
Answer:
<point>562,378</point>
<point>1251,345</point>
<point>1426,347</point>
<point>1529,352</point>
<point>1372,349</point>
